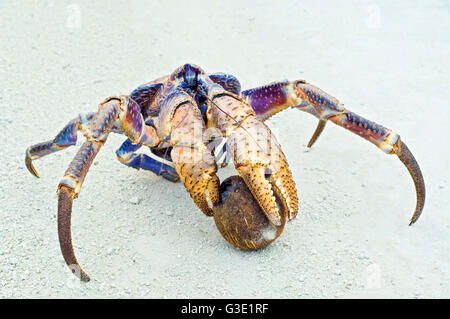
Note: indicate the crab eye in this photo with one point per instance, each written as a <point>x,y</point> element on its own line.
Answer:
<point>190,75</point>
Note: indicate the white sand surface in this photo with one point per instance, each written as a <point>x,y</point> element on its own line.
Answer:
<point>385,60</point>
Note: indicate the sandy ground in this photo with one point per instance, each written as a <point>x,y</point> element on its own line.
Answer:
<point>387,61</point>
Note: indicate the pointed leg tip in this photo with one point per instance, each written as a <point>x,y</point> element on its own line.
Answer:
<point>416,215</point>
<point>78,272</point>
<point>413,220</point>
<point>29,164</point>
<point>317,132</point>
<point>405,155</point>
<point>312,141</point>
<point>31,168</point>
<point>170,177</point>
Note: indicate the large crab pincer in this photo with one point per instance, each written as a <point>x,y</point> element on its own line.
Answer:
<point>256,154</point>
<point>192,121</point>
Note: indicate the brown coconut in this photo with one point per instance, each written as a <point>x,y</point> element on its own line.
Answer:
<point>240,220</point>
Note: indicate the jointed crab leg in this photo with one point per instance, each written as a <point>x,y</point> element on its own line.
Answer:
<point>70,185</point>
<point>317,132</point>
<point>127,156</point>
<point>116,114</point>
<point>65,138</point>
<point>273,98</point>
<point>68,190</point>
<point>227,81</point>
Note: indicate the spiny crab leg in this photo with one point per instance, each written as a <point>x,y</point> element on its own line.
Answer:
<point>273,98</point>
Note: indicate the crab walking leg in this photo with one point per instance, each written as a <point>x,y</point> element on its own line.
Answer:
<point>270,99</point>
<point>273,98</point>
<point>127,113</point>
<point>319,129</point>
<point>127,156</point>
<point>68,190</point>
<point>257,155</point>
<point>143,134</point>
<point>227,81</point>
<point>70,186</point>
<point>65,138</point>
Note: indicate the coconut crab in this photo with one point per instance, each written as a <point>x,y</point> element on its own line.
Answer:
<point>192,121</point>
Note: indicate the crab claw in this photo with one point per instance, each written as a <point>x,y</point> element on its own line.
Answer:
<point>261,188</point>
<point>261,163</point>
<point>199,179</point>
<point>192,159</point>
<point>256,153</point>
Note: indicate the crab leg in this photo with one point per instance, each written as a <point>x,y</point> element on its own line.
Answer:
<point>68,190</point>
<point>227,81</point>
<point>319,129</point>
<point>127,156</point>
<point>70,186</point>
<point>65,138</point>
<point>116,114</point>
<point>273,98</point>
